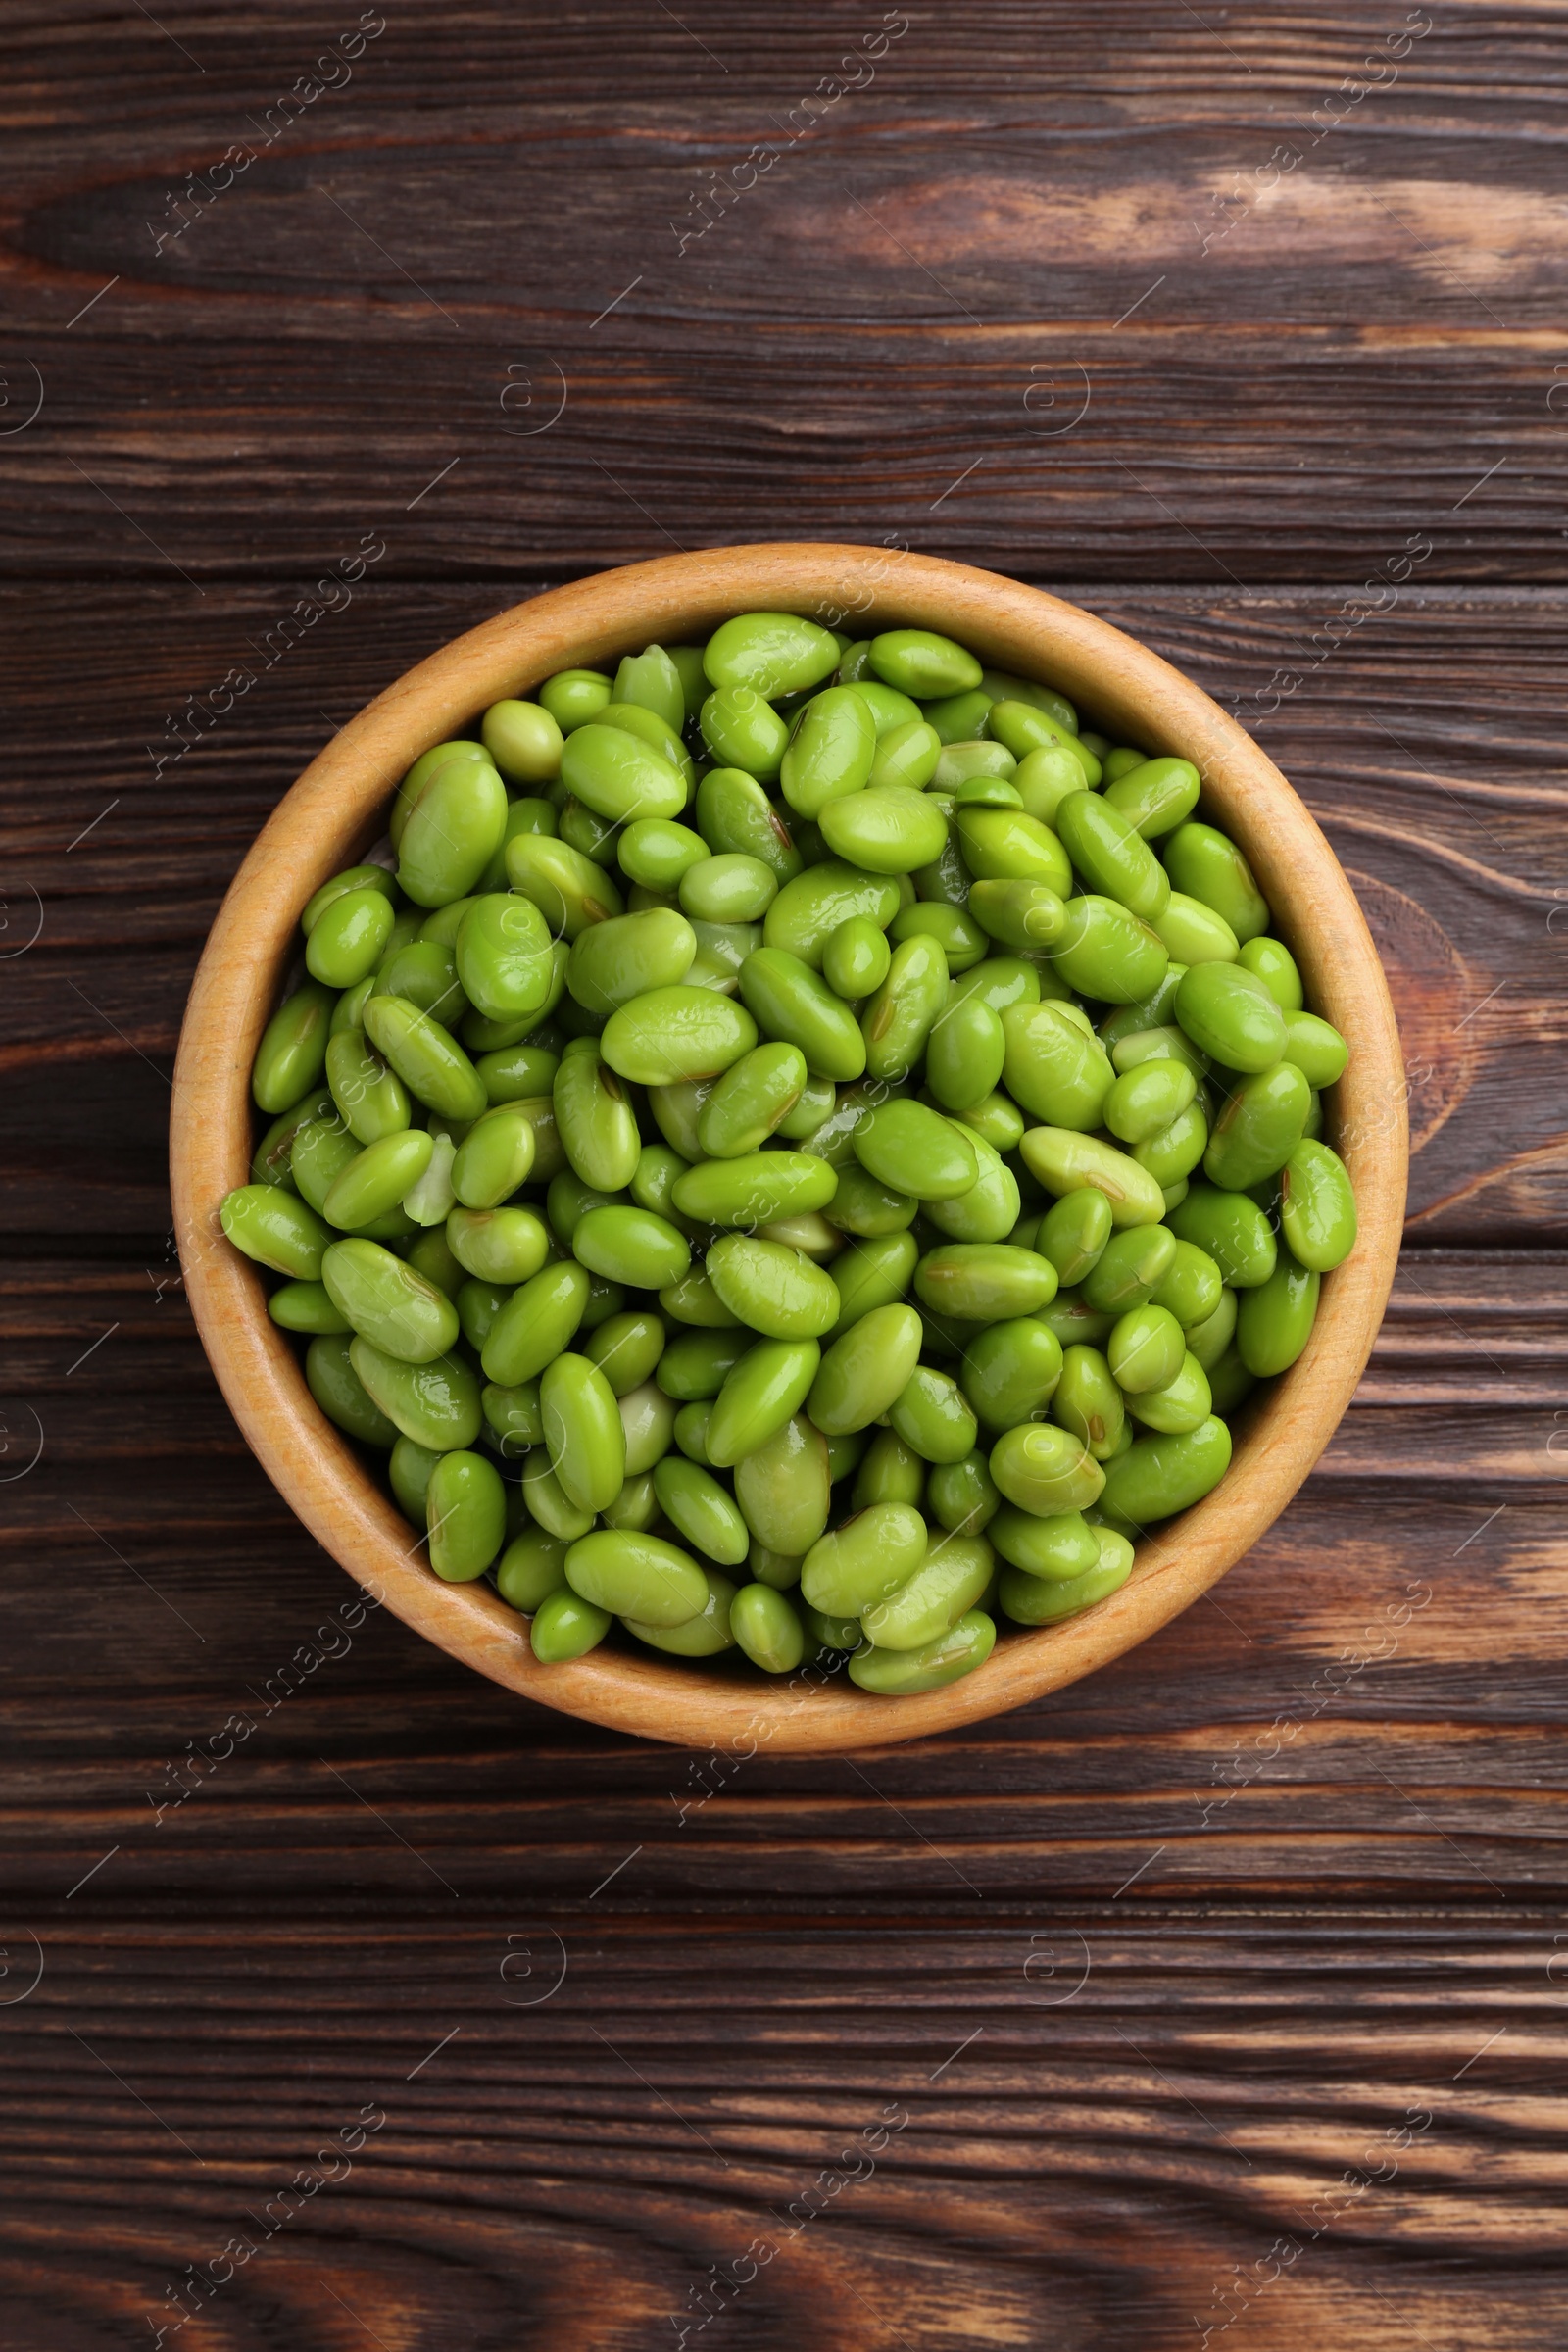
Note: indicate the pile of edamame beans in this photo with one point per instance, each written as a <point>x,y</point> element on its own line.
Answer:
<point>798,1154</point>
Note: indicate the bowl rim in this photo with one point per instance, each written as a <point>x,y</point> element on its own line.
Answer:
<point>332,811</point>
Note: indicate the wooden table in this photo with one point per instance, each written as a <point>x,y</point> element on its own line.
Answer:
<point>1223,1993</point>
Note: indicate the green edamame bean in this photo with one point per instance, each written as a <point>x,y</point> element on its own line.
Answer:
<point>863,1205</point>
<point>654,1180</point>
<point>376,1179</point>
<point>293,1049</point>
<point>784,1487</point>
<point>478,1303</point>
<point>1154,795</point>
<point>504,956</point>
<point>493,1158</point>
<point>1232,1229</point>
<point>1088,1402</point>
<point>1051,1069</point>
<point>657,853</point>
<point>1231,1017</point>
<point>960,717</point>
<point>844,1449</point>
<point>569,1202</point>
<point>1146,1351</point>
<point>389,1302</point>
<point>573,697</point>
<point>1317,1207</point>
<point>919,662</point>
<point>1065,1163</point>
<point>652,681</point>
<point>547,1501</point>
<point>451,832</point>
<point>1009,1371</point>
<point>428,765</point>
<point>872,1273</point>
<point>1315,1048</point>
<point>961,939</point>
<point>648,1426</point>
<point>677,1110</point>
<point>994,1120</point>
<point>1208,1340</point>
<point>701,1636</point>
<point>1145,1101</point>
<point>966,1053</point>
<point>1160,1043</point>
<point>1107,953</point>
<point>583,1431</point>
<point>810,909</point>
<point>571,892</point>
<point>533,1567</point>
<point>755,1189</point>
<point>1112,855</point>
<point>1006,845</point>
<point>742,730</point>
<point>466,1505</point>
<point>907,754</point>
<point>637,1575</point>
<point>276,1229</point>
<point>431,1256</point>
<point>1159,1476</point>
<point>565,1626</point>
<point>731,888</point>
<point>306,1307</point>
<point>514,1421</point>
<point>370,1098</point>
<point>349,937</point>
<point>766,1386</point>
<point>338,886</point>
<point>505,1246</point>
<point>596,1125</point>
<point>855,958</point>
<point>960,765</point>
<point>889,1471</point>
<point>915,1150</point>
<point>866,1369</point>
<point>1055,1550</point>
<point>902,1673</point>
<point>899,1018</point>
<point>949,1580</point>
<point>523,816</point>
<point>767,1628</point>
<point>1032,1601</point>
<point>932,1415</point>
<point>426,1056</point>
<point>1029,917</point>
<point>1176,1151</point>
<point>536,1323</point>
<point>523,741</point>
<point>627,1349</point>
<point>409,1469</point>
<point>735,814</point>
<point>1184,1403</point>
<point>773,1289</point>
<point>677,1035</point>
<point>829,753</point>
<point>691,1430</point>
<point>1208,866</point>
<point>1046,1470</point>
<point>1191,1285</point>
<point>962,1495</point>
<point>271,1162</point>
<point>425,972</point>
<point>1194,933</point>
<point>1271,961</point>
<point>619,776</point>
<point>984,1282</point>
<point>697,1365</point>
<point>631,1246</point>
<point>335,1384</point>
<point>889,709</point>
<point>437,1404</point>
<point>774,654</point>
<point>698,1506</point>
<point>1275,1320</point>
<point>635,1507</point>
<point>1073,1233</point>
<point>793,1005</point>
<point>865,1560</point>
<point>1129,1269</point>
<point>1024,726</point>
<point>751,1099</point>
<point>1258,1128</point>
<point>886,829</point>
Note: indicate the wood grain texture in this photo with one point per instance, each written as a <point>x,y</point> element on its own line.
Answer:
<point>1318,1878</point>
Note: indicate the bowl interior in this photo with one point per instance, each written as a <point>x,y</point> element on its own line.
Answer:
<point>337,808</point>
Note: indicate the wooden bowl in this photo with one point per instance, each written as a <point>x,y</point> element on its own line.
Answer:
<point>339,807</point>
